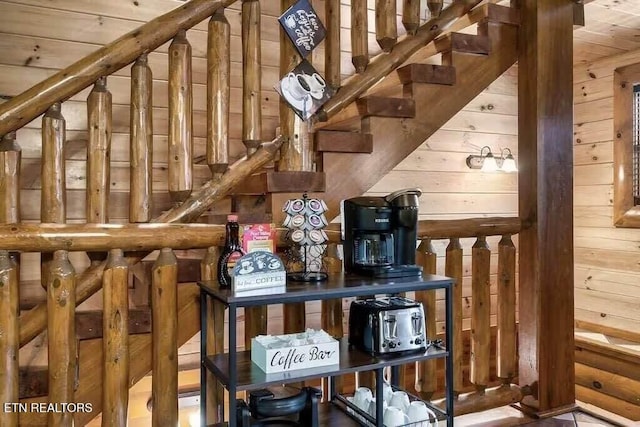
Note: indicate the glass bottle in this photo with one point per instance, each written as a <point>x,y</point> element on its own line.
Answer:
<point>231,253</point>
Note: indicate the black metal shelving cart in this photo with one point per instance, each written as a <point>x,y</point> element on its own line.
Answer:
<point>236,372</point>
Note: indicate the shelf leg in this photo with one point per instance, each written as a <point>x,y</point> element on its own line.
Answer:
<point>233,368</point>
<point>379,395</point>
<point>203,354</point>
<point>449,358</point>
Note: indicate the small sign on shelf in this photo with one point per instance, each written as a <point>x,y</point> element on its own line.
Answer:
<point>257,270</point>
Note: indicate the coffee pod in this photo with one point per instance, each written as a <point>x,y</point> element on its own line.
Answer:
<point>297,221</point>
<point>317,221</point>
<point>316,237</point>
<point>287,221</point>
<point>286,206</point>
<point>296,206</point>
<point>316,206</point>
<point>297,236</point>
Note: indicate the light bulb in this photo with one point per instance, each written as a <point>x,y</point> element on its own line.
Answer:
<point>489,164</point>
<point>509,164</point>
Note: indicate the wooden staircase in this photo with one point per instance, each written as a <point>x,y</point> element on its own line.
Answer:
<point>388,128</point>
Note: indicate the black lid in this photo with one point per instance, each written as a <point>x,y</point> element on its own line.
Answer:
<point>407,197</point>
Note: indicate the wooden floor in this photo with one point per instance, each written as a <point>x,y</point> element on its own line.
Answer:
<point>508,416</point>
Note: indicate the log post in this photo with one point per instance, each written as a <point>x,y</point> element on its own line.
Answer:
<point>453,268</point>
<point>9,338</point>
<point>332,313</point>
<point>426,381</point>
<point>215,337</point>
<point>506,341</point>
<point>180,119</point>
<point>115,340</point>
<point>545,193</point>
<point>480,313</point>
<point>411,15</point>
<point>98,152</point>
<point>332,43</point>
<point>141,142</point>
<point>386,25</point>
<point>53,201</point>
<point>359,35</point>
<point>218,92</point>
<point>435,7</point>
<point>54,193</point>
<point>10,155</point>
<point>251,76</point>
<point>61,334</point>
<point>164,335</point>
<point>402,51</point>
<point>296,154</point>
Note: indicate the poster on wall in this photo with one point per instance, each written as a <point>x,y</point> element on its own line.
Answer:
<point>304,89</point>
<point>302,25</point>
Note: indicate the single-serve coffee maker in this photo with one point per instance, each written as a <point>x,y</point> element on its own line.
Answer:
<point>380,234</point>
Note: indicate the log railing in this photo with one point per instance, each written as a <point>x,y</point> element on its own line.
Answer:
<point>481,370</point>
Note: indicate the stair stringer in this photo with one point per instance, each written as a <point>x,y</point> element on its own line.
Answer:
<point>351,175</point>
<point>91,363</point>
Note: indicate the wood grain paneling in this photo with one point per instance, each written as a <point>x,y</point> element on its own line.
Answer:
<point>607,267</point>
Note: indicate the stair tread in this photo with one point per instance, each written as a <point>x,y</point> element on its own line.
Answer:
<point>282,182</point>
<point>343,142</point>
<point>370,106</point>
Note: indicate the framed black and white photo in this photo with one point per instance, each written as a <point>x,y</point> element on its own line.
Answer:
<point>302,25</point>
<point>304,89</point>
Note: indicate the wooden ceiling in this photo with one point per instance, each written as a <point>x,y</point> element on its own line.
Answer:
<point>611,27</point>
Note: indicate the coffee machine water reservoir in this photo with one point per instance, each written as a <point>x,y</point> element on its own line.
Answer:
<point>380,234</point>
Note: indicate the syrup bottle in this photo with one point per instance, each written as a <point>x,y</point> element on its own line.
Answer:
<point>231,253</point>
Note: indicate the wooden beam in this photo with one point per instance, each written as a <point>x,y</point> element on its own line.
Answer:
<point>251,76</point>
<point>89,323</point>
<point>25,107</point>
<point>545,129</point>
<point>471,227</point>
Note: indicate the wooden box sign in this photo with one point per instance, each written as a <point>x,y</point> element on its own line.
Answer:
<point>257,270</point>
<point>304,89</point>
<point>302,25</point>
<point>290,352</point>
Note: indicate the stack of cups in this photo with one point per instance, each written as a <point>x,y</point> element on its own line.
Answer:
<point>398,410</point>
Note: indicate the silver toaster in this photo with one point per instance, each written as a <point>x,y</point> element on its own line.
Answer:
<point>387,325</point>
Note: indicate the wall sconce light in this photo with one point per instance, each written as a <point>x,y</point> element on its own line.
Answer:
<point>487,162</point>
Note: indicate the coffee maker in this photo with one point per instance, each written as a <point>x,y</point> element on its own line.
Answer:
<point>380,234</point>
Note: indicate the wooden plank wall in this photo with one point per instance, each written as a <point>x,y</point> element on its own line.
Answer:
<point>607,267</point>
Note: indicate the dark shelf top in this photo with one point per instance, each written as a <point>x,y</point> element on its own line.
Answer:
<point>251,377</point>
<point>329,415</point>
<point>342,286</point>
